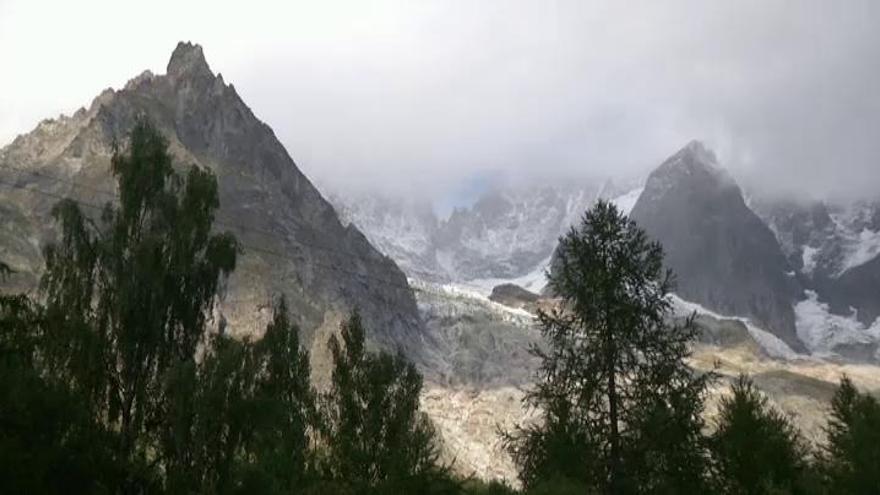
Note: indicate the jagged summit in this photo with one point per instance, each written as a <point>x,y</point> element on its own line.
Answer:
<point>294,244</point>
<point>694,157</point>
<point>188,59</point>
<point>698,150</point>
<point>724,256</point>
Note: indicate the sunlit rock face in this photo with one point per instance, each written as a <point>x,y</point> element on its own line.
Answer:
<point>294,244</point>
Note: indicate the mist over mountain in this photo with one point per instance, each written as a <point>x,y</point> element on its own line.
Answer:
<point>508,232</point>
<point>802,270</point>
<point>723,255</point>
<point>783,287</point>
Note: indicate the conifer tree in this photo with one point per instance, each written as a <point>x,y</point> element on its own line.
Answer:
<point>621,409</point>
<point>851,459</point>
<point>756,448</point>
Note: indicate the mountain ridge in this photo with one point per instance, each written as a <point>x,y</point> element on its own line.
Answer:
<point>298,246</point>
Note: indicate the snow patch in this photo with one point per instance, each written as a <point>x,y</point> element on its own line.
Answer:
<point>534,281</point>
<point>821,331</point>
<point>458,297</point>
<point>809,258</point>
<point>865,247</point>
<point>627,201</point>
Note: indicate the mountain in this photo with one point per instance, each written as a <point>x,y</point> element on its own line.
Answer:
<point>835,248</point>
<point>294,243</point>
<point>401,228</point>
<point>505,233</point>
<point>724,256</point>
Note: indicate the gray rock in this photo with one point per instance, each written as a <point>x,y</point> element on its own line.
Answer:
<point>514,296</point>
<point>294,244</point>
<point>725,258</point>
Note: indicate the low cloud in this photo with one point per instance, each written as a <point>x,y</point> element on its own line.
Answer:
<point>431,96</point>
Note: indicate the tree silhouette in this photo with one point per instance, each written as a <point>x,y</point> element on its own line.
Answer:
<point>757,449</point>
<point>851,459</point>
<point>621,410</point>
<point>376,436</point>
<point>128,296</point>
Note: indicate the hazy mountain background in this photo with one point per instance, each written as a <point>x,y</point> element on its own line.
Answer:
<point>452,143</point>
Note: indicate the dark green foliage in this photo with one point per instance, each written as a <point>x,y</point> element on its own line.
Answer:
<point>622,411</point>
<point>851,459</point>
<point>240,419</point>
<point>48,443</point>
<point>376,437</point>
<point>756,448</point>
<point>117,385</point>
<point>480,487</point>
<point>128,297</point>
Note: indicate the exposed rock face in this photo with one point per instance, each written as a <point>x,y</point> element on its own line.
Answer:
<point>294,244</point>
<point>805,231</point>
<point>857,289</point>
<point>514,296</point>
<point>835,248</point>
<point>725,258</point>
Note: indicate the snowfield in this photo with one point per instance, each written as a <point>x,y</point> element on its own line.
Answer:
<point>824,333</point>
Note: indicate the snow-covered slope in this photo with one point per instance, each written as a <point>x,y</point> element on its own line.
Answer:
<point>507,234</point>
<point>535,280</point>
<point>823,239</point>
<point>830,335</point>
<point>835,248</point>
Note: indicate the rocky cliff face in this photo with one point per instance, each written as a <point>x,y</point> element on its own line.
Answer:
<point>724,256</point>
<point>294,244</point>
<point>835,246</point>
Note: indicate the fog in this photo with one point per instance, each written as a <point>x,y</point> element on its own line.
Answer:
<point>434,97</point>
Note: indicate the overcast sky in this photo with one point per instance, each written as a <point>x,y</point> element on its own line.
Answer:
<point>434,97</point>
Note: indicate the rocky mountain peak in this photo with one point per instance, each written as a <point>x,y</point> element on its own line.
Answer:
<point>699,152</point>
<point>293,242</point>
<point>694,159</point>
<point>724,256</point>
<point>188,60</point>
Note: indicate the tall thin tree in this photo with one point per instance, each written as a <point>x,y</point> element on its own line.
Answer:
<point>621,409</point>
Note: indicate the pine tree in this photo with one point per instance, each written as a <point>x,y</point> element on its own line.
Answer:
<point>621,410</point>
<point>756,448</point>
<point>851,460</point>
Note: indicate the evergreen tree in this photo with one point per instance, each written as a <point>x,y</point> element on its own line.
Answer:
<point>377,439</point>
<point>128,296</point>
<point>756,448</point>
<point>851,460</point>
<point>621,410</point>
